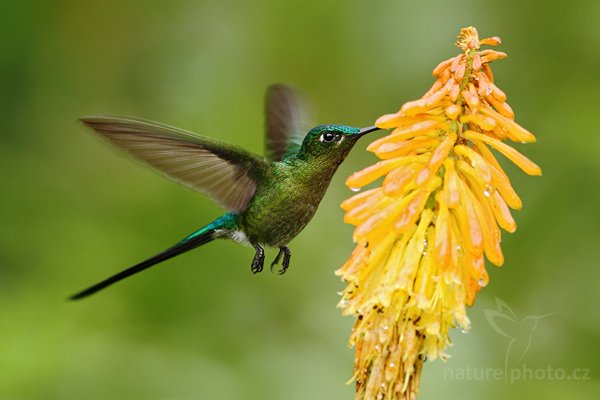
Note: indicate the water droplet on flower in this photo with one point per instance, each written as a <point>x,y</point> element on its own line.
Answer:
<point>464,330</point>
<point>488,191</point>
<point>488,91</point>
<point>355,189</point>
<point>385,327</point>
<point>458,248</point>
<point>481,282</point>
<point>392,365</point>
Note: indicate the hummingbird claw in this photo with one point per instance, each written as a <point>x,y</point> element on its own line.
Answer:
<point>257,263</point>
<point>259,259</point>
<point>276,260</point>
<point>287,255</point>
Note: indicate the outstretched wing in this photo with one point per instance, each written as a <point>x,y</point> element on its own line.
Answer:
<point>286,117</point>
<point>225,173</point>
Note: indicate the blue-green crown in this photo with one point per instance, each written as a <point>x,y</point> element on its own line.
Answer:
<point>343,129</point>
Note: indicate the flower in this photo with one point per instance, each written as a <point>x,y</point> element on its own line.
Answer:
<point>422,235</point>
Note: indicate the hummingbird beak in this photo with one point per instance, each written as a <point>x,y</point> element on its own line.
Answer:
<point>364,131</point>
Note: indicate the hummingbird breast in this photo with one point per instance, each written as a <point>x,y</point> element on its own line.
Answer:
<point>285,202</point>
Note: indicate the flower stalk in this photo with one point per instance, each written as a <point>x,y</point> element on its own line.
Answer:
<point>423,234</point>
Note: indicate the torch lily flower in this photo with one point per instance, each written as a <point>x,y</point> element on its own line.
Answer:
<point>422,235</point>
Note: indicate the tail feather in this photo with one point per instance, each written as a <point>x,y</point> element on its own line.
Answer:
<point>198,238</point>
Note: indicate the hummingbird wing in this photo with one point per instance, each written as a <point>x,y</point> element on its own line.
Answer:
<point>286,116</point>
<point>225,173</point>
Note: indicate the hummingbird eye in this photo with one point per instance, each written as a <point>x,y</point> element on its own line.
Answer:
<point>328,137</point>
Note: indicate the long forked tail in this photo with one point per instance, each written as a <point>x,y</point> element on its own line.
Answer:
<point>198,238</point>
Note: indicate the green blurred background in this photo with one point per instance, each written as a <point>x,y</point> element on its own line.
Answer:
<point>202,326</point>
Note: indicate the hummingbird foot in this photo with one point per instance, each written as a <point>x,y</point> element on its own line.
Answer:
<point>259,258</point>
<point>276,260</point>
<point>287,254</point>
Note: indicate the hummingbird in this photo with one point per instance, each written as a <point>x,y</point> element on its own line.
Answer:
<point>269,199</point>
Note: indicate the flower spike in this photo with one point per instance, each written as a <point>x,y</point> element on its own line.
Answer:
<point>424,234</point>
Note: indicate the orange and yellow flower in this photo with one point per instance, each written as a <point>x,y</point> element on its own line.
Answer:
<point>422,235</point>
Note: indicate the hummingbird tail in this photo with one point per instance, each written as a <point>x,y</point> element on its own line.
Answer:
<point>198,238</point>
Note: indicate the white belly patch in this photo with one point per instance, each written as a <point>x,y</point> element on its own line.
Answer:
<point>240,237</point>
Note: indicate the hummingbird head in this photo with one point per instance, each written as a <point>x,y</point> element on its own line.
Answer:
<point>332,142</point>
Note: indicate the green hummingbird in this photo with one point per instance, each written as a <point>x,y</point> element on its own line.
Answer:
<point>270,200</point>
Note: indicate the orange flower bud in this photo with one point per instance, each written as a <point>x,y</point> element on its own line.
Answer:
<point>516,132</point>
<point>424,127</point>
<point>501,107</point>
<point>491,41</point>
<point>453,111</point>
<point>397,181</point>
<point>471,99</point>
<point>369,174</point>
<point>442,66</point>
<point>528,166</point>
<point>451,194</point>
<point>492,55</point>
<point>484,122</point>
<point>477,161</point>
<point>361,198</point>
<point>502,213</point>
<point>443,253</point>
<point>419,144</point>
<point>488,72</point>
<point>424,104</point>
<point>497,93</point>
